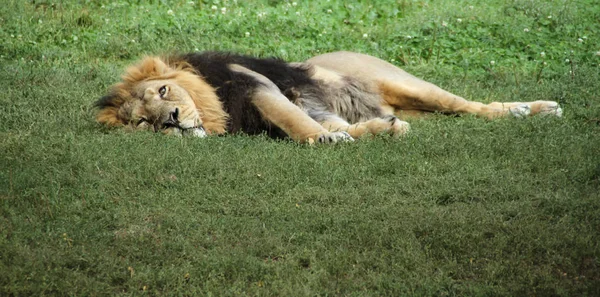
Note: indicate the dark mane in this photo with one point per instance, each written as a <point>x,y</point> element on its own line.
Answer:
<point>106,101</point>
<point>235,89</point>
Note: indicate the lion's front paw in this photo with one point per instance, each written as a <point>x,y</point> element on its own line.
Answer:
<point>334,137</point>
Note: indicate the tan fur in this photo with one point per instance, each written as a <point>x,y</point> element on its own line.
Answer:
<point>402,91</point>
<point>433,99</point>
<point>388,125</point>
<point>361,95</point>
<point>278,110</point>
<point>153,68</point>
<point>332,78</point>
<point>108,116</point>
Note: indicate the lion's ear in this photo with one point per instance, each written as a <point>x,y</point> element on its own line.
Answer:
<point>109,106</point>
<point>154,66</point>
<point>148,67</point>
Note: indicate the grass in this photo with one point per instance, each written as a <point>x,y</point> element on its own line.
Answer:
<point>461,206</point>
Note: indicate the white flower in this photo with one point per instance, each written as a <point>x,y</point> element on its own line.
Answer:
<point>549,16</point>
<point>492,62</point>
<point>223,10</point>
<point>579,40</point>
<point>133,41</point>
<point>408,37</point>
<point>459,20</point>
<point>471,7</point>
<point>329,11</point>
<point>545,63</point>
<point>294,3</point>
<point>75,38</point>
<point>247,34</point>
<point>444,24</point>
<point>214,7</point>
<point>365,35</point>
<point>170,12</point>
<point>598,53</point>
<point>543,54</point>
<point>567,60</point>
<point>526,30</point>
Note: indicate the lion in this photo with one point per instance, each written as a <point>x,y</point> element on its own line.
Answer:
<point>330,98</point>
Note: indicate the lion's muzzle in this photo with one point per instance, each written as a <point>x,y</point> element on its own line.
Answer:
<point>188,127</point>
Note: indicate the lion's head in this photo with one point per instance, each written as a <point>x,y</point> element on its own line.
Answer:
<point>160,96</point>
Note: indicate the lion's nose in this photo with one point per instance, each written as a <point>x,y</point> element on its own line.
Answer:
<point>175,115</point>
<point>173,120</point>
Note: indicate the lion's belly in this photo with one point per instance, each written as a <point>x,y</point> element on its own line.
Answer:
<point>352,100</point>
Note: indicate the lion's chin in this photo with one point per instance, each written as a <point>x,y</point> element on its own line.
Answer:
<point>193,132</point>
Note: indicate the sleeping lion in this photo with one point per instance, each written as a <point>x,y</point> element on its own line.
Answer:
<point>327,99</point>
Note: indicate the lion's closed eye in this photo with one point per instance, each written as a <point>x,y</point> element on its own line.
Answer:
<point>141,121</point>
<point>143,124</point>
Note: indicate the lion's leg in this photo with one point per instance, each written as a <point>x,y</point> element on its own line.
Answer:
<point>387,124</point>
<point>278,110</point>
<point>403,91</point>
<point>411,114</point>
<point>415,94</point>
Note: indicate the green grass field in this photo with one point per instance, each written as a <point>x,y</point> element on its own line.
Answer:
<point>462,206</point>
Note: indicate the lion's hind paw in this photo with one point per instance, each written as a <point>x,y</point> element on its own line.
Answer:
<point>520,111</point>
<point>551,108</point>
<point>388,124</point>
